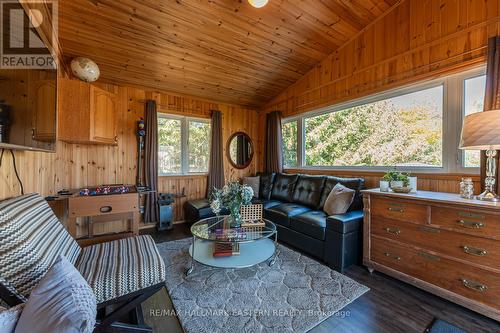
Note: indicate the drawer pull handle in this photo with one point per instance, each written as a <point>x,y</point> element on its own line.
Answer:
<point>394,231</point>
<point>470,224</point>
<point>471,215</point>
<point>428,256</point>
<point>474,285</point>
<point>398,210</point>
<point>474,251</point>
<point>106,209</point>
<point>390,255</point>
<point>431,230</point>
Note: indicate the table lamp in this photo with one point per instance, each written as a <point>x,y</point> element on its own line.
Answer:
<point>481,131</point>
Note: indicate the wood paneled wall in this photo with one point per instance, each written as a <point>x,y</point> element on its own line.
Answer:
<point>425,181</point>
<point>74,166</point>
<point>417,39</point>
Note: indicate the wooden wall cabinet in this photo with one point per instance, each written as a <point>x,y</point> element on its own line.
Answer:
<point>87,114</point>
<point>44,99</point>
<point>436,241</point>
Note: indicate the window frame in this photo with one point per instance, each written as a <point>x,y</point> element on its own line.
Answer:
<point>185,121</point>
<point>453,111</point>
<point>466,76</point>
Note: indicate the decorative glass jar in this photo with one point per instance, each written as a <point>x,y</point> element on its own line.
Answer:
<point>467,188</point>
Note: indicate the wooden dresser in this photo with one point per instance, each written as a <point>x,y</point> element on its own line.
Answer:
<point>439,242</point>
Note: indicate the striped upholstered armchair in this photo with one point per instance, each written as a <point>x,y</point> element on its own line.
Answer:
<point>122,273</point>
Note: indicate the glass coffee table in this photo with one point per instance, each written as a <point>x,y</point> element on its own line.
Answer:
<point>251,244</point>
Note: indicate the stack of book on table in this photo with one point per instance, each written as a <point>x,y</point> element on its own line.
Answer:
<point>228,235</point>
<point>226,249</point>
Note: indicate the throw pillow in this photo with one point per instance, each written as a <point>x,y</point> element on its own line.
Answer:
<point>254,183</point>
<point>9,318</point>
<point>62,302</point>
<point>339,200</point>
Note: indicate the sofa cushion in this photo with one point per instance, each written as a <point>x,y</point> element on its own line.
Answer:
<point>356,184</point>
<point>308,190</point>
<point>345,223</point>
<point>339,200</point>
<point>283,187</point>
<point>281,214</point>
<point>267,203</point>
<point>31,239</point>
<point>117,268</point>
<point>62,302</point>
<point>312,223</point>
<point>265,185</point>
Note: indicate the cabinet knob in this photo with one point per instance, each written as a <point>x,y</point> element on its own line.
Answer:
<point>116,138</point>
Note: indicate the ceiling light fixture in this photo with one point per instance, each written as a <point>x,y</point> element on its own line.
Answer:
<point>258,3</point>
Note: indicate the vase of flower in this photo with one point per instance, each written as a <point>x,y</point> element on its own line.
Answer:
<point>232,196</point>
<point>235,212</point>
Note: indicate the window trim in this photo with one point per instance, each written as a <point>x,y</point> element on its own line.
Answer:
<point>185,120</point>
<point>467,76</point>
<point>452,156</point>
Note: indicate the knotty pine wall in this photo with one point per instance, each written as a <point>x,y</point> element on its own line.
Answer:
<point>417,40</point>
<point>74,166</point>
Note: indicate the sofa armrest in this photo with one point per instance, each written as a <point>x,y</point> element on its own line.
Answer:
<point>345,223</point>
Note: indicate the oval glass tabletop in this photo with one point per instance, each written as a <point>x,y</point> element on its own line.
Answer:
<point>218,229</point>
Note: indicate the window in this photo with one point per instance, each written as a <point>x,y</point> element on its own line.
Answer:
<point>474,90</point>
<point>404,130</point>
<point>183,145</point>
<point>414,128</point>
<point>289,134</point>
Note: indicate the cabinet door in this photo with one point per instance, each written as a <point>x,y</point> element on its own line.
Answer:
<point>103,115</point>
<point>44,106</point>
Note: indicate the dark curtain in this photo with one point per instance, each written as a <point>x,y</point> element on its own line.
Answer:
<point>274,142</point>
<point>492,96</point>
<point>151,213</point>
<point>216,165</point>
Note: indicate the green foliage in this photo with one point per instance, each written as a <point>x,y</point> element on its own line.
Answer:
<point>199,146</point>
<point>376,134</point>
<point>394,175</point>
<point>289,134</point>
<point>170,145</point>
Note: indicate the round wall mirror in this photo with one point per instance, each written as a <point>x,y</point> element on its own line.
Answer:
<point>240,150</point>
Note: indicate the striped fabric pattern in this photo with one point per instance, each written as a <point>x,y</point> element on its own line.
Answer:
<point>31,239</point>
<point>120,267</point>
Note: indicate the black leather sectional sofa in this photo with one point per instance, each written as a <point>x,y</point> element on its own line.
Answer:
<point>295,204</point>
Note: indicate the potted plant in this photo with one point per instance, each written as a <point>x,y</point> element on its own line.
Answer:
<point>385,181</point>
<point>395,179</point>
<point>232,196</point>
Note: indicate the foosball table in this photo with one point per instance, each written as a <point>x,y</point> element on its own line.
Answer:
<point>105,207</point>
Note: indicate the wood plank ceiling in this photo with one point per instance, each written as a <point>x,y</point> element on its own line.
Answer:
<point>222,50</point>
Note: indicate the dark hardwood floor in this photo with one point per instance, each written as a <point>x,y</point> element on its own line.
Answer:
<point>390,305</point>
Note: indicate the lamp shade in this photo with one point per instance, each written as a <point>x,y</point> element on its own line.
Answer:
<point>481,131</point>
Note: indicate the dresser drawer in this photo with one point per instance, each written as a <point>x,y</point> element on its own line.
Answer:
<point>478,250</point>
<point>399,210</point>
<point>471,282</point>
<point>467,221</point>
